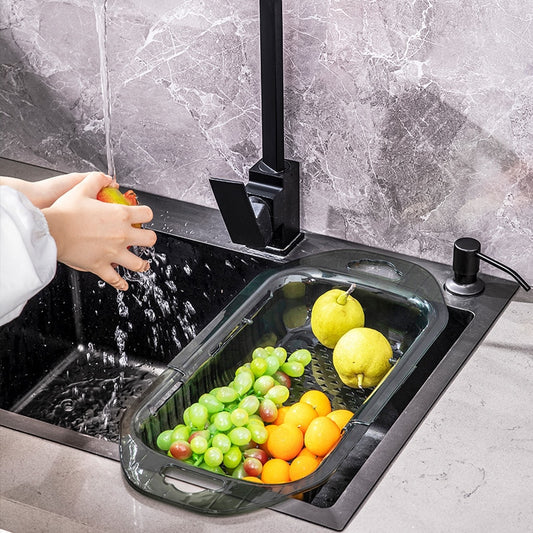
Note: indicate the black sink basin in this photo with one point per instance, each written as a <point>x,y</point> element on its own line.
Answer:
<point>80,353</point>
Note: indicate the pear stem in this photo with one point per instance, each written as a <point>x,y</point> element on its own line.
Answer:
<point>351,288</point>
<point>342,298</point>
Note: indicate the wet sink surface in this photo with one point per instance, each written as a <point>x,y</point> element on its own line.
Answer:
<point>80,354</point>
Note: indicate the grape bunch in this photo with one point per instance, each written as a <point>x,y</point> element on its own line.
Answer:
<point>223,431</point>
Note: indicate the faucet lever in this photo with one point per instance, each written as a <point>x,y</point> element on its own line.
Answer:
<point>264,213</point>
<point>247,218</point>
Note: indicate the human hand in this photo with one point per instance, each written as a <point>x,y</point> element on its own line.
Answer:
<point>94,236</point>
<point>45,192</point>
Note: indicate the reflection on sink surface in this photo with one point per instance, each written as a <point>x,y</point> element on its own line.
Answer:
<point>81,353</point>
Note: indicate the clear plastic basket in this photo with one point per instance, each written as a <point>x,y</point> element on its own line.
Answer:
<point>400,299</point>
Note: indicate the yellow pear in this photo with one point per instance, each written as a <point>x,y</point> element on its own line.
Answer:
<point>333,314</point>
<point>361,357</point>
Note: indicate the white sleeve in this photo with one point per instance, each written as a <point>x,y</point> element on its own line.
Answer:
<point>28,253</point>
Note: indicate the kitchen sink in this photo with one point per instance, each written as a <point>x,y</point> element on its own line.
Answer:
<point>81,354</point>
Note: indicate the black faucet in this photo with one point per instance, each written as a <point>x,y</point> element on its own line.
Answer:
<point>265,213</point>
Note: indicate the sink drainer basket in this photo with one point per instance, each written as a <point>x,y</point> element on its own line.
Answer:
<point>400,299</point>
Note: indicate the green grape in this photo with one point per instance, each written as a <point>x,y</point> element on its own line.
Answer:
<point>272,365</point>
<point>239,417</point>
<point>222,421</point>
<point>199,444</point>
<point>243,383</point>
<point>301,356</point>
<point>256,419</point>
<point>214,469</point>
<point>250,404</point>
<point>279,394</point>
<point>222,442</point>
<point>282,379</point>
<point>213,456</point>
<point>294,369</point>
<point>181,432</point>
<point>240,436</point>
<point>259,353</point>
<point>269,349</point>
<point>239,472</point>
<point>245,369</point>
<point>263,384</point>
<point>232,457</point>
<point>226,395</point>
<point>258,366</point>
<point>198,415</point>
<point>186,417</point>
<point>211,403</point>
<point>164,440</point>
<point>280,353</point>
<point>200,432</point>
<point>258,432</point>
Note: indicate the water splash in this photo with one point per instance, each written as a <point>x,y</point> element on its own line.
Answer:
<point>156,297</point>
<point>123,310</point>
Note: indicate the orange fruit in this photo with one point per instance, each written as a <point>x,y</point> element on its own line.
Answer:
<point>282,411</point>
<point>302,466</point>
<point>253,479</point>
<point>340,416</point>
<point>300,415</point>
<point>285,442</point>
<point>318,401</point>
<point>321,435</point>
<point>275,471</point>
<point>307,453</point>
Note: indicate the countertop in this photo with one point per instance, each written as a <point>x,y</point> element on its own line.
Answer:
<point>468,467</point>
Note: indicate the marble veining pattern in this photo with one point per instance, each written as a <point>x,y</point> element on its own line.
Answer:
<point>412,120</point>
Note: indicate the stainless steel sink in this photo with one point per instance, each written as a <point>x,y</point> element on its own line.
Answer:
<point>79,354</point>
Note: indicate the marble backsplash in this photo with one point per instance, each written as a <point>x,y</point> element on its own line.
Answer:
<point>413,121</point>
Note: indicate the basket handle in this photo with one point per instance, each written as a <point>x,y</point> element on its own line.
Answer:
<point>154,475</point>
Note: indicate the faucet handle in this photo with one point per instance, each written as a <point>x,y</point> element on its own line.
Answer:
<point>247,218</point>
<point>265,213</point>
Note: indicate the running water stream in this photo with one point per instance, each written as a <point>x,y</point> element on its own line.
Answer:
<point>100,13</point>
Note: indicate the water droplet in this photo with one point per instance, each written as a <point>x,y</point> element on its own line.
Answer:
<point>150,315</point>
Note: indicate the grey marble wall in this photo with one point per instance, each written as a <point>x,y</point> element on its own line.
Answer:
<point>413,121</point>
